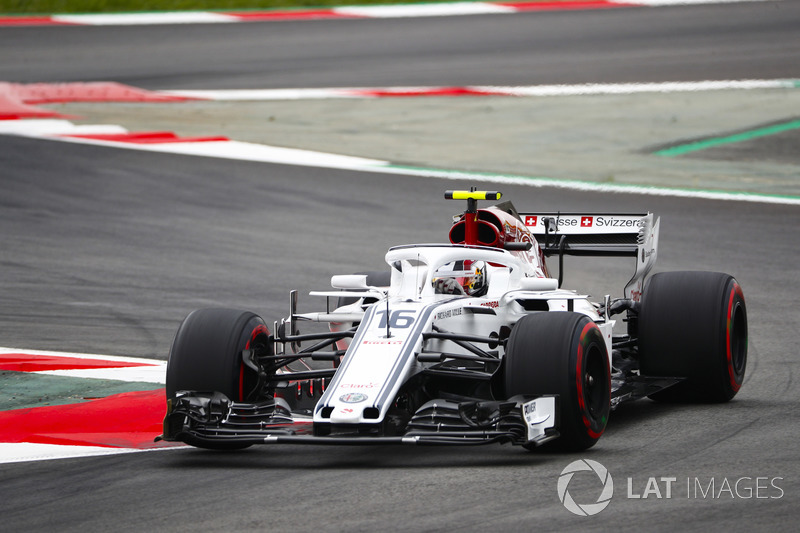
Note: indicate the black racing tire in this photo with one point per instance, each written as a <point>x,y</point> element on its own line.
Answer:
<point>562,353</point>
<point>206,355</point>
<point>694,325</point>
<point>380,278</point>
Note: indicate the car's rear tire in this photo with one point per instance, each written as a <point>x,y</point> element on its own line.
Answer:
<point>206,356</point>
<point>562,353</point>
<point>694,325</point>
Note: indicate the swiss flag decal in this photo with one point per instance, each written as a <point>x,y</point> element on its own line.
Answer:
<point>531,220</point>
<point>586,222</point>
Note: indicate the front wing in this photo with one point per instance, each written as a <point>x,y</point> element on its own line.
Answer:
<point>213,420</point>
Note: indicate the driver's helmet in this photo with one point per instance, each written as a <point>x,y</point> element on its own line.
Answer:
<point>475,284</point>
<point>461,277</point>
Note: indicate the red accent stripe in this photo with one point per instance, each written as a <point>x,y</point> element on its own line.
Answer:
<point>20,114</point>
<point>147,137</point>
<point>13,107</point>
<point>21,362</point>
<point>128,420</point>
<point>17,99</point>
<point>98,91</point>
<point>32,21</point>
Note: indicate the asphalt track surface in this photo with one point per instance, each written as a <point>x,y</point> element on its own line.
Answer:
<point>729,41</point>
<point>105,250</point>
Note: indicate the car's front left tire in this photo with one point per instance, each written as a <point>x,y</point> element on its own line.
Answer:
<point>562,353</point>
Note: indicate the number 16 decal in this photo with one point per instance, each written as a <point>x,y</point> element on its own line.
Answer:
<point>399,319</point>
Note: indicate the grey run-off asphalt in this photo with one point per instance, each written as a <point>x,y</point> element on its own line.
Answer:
<point>598,138</point>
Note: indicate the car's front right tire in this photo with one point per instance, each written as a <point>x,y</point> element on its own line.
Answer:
<point>206,356</point>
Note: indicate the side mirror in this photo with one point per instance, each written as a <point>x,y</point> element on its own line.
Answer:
<point>518,246</point>
<point>350,281</point>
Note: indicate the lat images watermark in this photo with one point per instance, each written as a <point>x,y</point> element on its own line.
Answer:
<point>591,498</point>
<point>711,488</point>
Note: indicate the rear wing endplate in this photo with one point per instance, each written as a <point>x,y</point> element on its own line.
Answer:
<point>599,234</point>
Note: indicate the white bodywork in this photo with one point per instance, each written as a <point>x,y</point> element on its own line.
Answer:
<point>382,354</point>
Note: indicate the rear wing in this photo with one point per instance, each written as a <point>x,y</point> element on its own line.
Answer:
<point>599,234</point>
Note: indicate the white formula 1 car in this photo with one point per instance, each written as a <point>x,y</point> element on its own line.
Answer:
<point>469,342</point>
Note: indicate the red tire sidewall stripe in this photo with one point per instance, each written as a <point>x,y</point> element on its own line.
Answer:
<point>260,329</point>
<point>241,382</point>
<point>737,290</point>
<point>579,382</point>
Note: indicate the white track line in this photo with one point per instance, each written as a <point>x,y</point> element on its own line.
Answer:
<point>73,355</point>
<point>533,90</point>
<point>147,19</point>
<point>153,371</point>
<point>590,186</point>
<point>663,3</point>
<point>13,452</point>
<point>425,10</point>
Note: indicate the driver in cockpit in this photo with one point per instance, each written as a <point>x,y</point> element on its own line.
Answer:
<point>461,278</point>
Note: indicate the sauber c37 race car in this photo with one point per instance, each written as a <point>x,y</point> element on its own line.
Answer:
<point>468,342</point>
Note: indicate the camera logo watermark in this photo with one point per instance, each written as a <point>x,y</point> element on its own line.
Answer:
<point>585,509</point>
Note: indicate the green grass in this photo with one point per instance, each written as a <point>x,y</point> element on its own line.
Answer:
<point>116,6</point>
